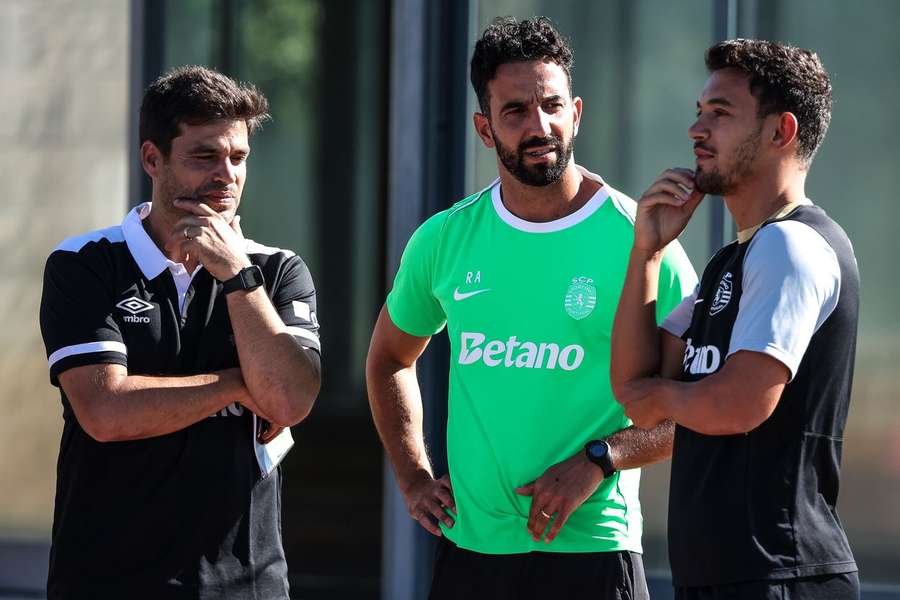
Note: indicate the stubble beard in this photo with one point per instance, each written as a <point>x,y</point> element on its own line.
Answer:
<point>718,183</point>
<point>538,175</point>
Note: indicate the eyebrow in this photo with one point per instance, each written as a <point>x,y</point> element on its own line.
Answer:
<point>521,103</point>
<point>718,101</point>
<point>203,148</point>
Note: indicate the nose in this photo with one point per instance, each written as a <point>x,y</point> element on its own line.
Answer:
<point>698,131</point>
<point>226,171</point>
<point>538,123</point>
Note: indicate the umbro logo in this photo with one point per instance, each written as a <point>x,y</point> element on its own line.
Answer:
<point>134,306</point>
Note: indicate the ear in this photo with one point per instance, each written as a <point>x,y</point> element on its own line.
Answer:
<point>576,106</point>
<point>786,130</point>
<point>151,158</point>
<point>483,129</point>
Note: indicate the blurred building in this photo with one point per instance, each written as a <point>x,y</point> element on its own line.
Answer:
<point>371,134</point>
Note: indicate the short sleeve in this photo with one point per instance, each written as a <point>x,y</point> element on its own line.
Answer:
<point>791,284</point>
<point>679,319</point>
<point>411,303</point>
<point>295,301</point>
<point>677,281</point>
<point>76,315</point>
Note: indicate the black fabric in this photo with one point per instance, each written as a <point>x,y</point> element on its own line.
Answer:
<point>844,586</point>
<point>464,575</point>
<point>183,515</point>
<point>762,505</point>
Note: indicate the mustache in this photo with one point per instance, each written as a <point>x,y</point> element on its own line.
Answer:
<point>535,142</point>
<point>206,189</point>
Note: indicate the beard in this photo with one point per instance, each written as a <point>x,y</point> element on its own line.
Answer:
<point>171,189</point>
<point>721,183</point>
<point>538,175</point>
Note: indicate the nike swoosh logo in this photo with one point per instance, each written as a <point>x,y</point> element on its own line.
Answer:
<point>457,295</point>
<point>698,301</point>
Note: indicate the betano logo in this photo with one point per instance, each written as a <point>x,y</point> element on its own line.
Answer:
<point>513,353</point>
<point>701,361</point>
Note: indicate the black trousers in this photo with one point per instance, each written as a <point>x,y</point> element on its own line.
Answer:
<point>464,575</point>
<point>843,586</point>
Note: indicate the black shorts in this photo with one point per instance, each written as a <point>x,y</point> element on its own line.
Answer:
<point>464,575</point>
<point>843,586</point>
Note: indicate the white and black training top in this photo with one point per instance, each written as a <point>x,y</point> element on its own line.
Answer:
<point>762,505</point>
<point>183,515</point>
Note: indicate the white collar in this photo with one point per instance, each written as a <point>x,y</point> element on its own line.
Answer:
<point>571,220</point>
<point>146,253</point>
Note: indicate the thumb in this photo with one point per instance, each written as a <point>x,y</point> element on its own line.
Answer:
<point>526,490</point>
<point>236,225</point>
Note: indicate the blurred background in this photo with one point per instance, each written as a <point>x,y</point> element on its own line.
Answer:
<point>371,134</point>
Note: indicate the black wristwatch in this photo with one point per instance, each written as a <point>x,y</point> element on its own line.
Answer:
<point>598,453</point>
<point>247,278</point>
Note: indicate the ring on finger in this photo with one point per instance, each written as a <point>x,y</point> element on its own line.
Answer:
<point>544,514</point>
<point>187,236</point>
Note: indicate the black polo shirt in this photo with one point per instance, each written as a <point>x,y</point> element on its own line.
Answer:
<point>763,505</point>
<point>183,515</point>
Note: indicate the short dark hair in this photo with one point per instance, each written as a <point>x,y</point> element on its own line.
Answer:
<point>783,79</point>
<point>196,95</point>
<point>508,40</point>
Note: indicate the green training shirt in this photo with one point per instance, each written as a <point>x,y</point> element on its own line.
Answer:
<point>529,310</point>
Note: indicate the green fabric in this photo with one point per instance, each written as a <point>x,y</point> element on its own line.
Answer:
<point>529,368</point>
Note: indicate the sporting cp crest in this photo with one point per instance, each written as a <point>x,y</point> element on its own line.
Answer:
<point>723,295</point>
<point>581,297</point>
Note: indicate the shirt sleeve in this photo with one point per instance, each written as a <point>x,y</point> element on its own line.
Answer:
<point>677,283</point>
<point>678,321</point>
<point>295,301</point>
<point>411,304</point>
<point>76,315</point>
<point>791,284</point>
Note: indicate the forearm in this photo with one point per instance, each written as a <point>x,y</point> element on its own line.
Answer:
<point>116,406</point>
<point>636,349</point>
<point>283,378</point>
<point>632,447</point>
<point>396,404</point>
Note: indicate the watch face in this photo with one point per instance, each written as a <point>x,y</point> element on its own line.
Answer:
<point>598,450</point>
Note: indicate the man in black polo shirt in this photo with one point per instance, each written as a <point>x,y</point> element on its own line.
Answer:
<point>181,349</point>
<point>766,343</point>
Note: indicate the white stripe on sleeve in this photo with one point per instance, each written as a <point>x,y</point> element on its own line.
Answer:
<point>87,348</point>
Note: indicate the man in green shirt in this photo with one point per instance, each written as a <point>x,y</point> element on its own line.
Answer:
<point>525,275</point>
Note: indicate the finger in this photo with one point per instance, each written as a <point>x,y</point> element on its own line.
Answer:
<point>426,522</point>
<point>679,175</point>
<point>663,198</point>
<point>445,497</point>
<point>525,490</point>
<point>270,434</point>
<point>668,186</point>
<point>195,206</point>
<point>438,512</point>
<point>236,225</point>
<point>542,516</point>
<point>559,520</point>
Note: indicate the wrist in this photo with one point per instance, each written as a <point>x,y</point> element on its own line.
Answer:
<point>648,256</point>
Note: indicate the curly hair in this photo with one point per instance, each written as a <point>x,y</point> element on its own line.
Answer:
<point>508,40</point>
<point>782,79</point>
<point>196,95</point>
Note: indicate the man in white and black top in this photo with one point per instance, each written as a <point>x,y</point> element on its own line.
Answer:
<point>765,346</point>
<point>181,350</point>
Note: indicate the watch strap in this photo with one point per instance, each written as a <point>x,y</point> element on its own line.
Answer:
<point>247,278</point>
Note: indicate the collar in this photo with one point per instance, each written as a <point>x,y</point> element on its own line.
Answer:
<point>576,217</point>
<point>744,235</point>
<point>146,253</point>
